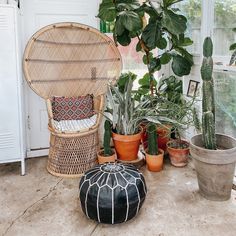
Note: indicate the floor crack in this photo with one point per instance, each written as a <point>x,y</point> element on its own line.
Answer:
<point>94,229</point>
<point>32,205</point>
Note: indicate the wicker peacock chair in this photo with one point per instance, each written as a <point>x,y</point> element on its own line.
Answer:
<point>71,60</point>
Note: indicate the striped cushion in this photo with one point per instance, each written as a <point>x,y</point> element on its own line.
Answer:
<point>74,125</point>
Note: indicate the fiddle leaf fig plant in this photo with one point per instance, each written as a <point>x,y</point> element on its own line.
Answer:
<point>160,29</point>
<point>233,48</point>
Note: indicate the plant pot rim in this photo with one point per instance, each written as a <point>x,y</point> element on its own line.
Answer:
<point>127,136</point>
<point>213,151</point>
<point>101,150</point>
<point>182,141</point>
<point>159,150</point>
<point>217,157</point>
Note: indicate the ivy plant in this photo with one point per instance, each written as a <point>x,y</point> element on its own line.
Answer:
<point>160,29</point>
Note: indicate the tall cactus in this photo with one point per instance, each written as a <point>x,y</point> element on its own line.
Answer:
<point>208,103</point>
<point>152,139</point>
<point>107,139</point>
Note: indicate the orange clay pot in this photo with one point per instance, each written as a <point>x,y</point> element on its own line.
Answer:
<point>162,138</point>
<point>155,162</point>
<point>103,159</point>
<point>127,146</point>
<point>178,156</point>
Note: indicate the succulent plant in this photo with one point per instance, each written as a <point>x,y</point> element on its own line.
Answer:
<point>152,139</point>
<point>107,139</point>
<point>208,103</point>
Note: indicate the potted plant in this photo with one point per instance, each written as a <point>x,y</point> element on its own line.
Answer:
<point>154,155</point>
<point>107,154</point>
<point>182,110</point>
<point>157,26</point>
<point>214,154</point>
<point>127,115</point>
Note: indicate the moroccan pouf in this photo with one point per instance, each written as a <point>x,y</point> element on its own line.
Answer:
<point>112,193</point>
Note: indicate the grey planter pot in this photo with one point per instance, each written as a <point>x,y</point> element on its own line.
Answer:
<point>215,168</point>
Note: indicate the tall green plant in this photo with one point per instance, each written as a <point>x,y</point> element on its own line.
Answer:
<point>208,103</point>
<point>152,139</point>
<point>107,139</point>
<point>158,27</point>
<point>233,48</point>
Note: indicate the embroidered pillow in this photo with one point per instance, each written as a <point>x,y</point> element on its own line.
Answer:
<point>74,108</point>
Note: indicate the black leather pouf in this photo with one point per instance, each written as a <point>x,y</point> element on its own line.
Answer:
<point>112,193</point>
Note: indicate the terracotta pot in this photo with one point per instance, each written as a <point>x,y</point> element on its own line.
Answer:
<point>162,139</point>
<point>178,156</point>
<point>127,146</point>
<point>155,162</point>
<point>103,159</point>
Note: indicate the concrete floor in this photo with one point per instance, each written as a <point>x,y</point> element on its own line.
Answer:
<point>40,204</point>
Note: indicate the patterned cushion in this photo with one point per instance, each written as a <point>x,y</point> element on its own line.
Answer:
<point>74,125</point>
<point>74,108</point>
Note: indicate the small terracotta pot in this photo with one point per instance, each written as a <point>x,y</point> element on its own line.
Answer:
<point>162,138</point>
<point>178,157</point>
<point>155,162</point>
<point>127,146</point>
<point>103,159</point>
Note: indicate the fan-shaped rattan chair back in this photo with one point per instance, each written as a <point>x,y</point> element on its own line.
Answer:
<point>70,59</point>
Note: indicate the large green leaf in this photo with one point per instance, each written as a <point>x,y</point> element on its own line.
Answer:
<point>165,58</point>
<point>173,22</point>
<point>107,11</point>
<point>131,20</point>
<point>233,46</point>
<point>119,28</point>
<point>151,34</point>
<point>124,39</point>
<point>185,54</point>
<point>168,3</point>
<point>180,65</point>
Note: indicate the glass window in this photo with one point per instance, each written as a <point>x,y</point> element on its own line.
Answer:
<point>192,11</point>
<point>225,20</point>
<point>225,93</point>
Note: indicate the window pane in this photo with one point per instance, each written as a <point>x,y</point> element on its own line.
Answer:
<point>225,20</point>
<point>192,10</point>
<point>225,93</point>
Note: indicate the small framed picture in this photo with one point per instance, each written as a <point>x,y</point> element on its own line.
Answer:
<point>192,88</point>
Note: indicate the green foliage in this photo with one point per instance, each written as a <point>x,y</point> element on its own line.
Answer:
<point>233,47</point>
<point>152,139</point>
<point>208,103</point>
<point>128,114</point>
<point>164,29</point>
<point>107,138</point>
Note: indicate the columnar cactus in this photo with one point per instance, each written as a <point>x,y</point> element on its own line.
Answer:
<point>152,139</point>
<point>107,139</point>
<point>208,103</point>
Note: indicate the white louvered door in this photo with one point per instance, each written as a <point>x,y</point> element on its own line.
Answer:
<point>11,127</point>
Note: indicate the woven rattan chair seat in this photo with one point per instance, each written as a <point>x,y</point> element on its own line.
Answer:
<point>70,59</point>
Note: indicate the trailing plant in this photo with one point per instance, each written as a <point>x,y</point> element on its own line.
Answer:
<point>158,26</point>
<point>107,138</point>
<point>208,103</point>
<point>233,48</point>
<point>127,115</point>
<point>152,139</point>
